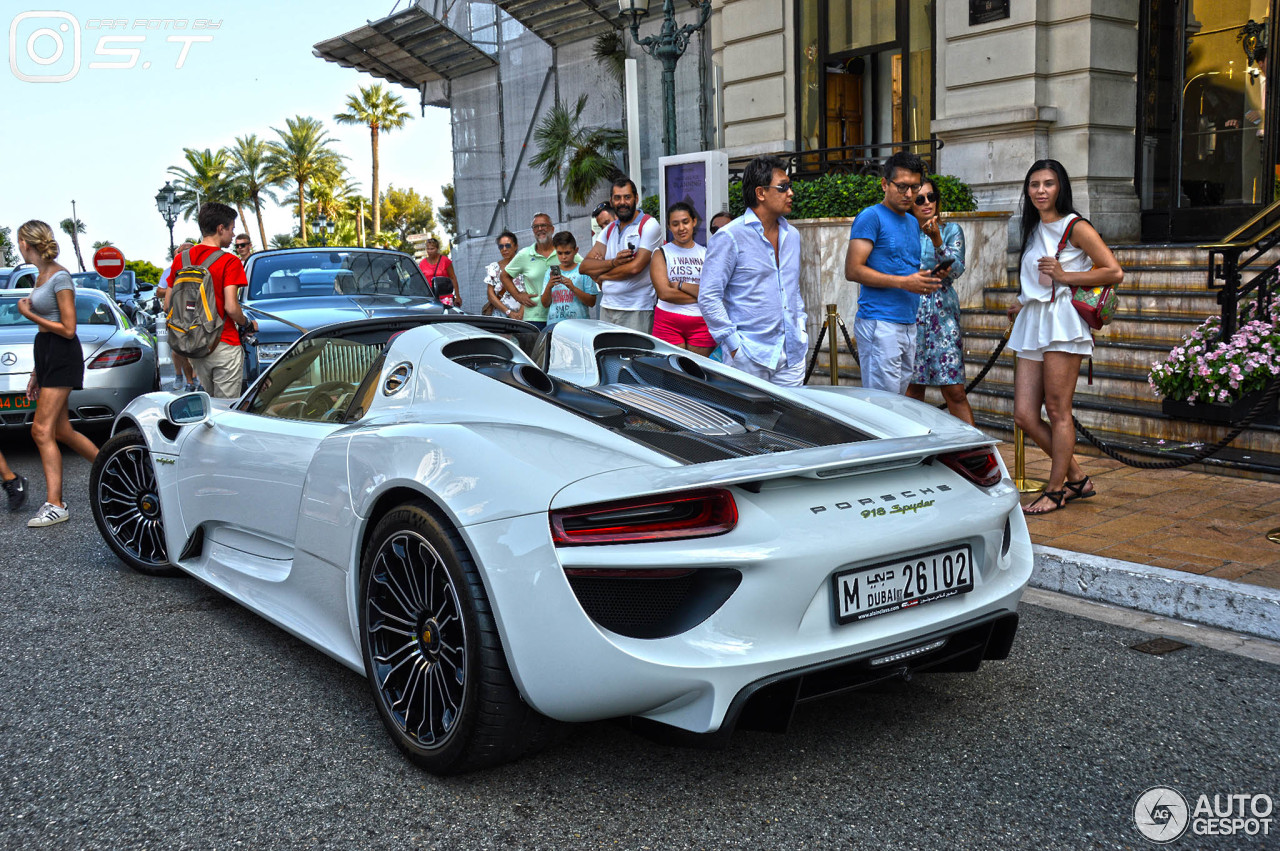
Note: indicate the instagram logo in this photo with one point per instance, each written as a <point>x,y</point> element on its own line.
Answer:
<point>44,47</point>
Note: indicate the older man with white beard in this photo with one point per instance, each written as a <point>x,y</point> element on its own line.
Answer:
<point>535,263</point>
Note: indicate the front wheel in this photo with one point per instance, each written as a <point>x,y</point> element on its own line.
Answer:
<point>126,504</point>
<point>432,652</point>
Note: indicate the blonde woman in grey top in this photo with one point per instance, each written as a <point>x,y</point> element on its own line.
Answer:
<point>59,364</point>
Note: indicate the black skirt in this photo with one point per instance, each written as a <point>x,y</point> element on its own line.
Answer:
<point>59,361</point>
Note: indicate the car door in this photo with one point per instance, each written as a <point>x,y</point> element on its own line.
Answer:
<point>242,474</point>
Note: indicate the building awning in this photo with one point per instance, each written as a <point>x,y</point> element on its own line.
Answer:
<point>411,48</point>
<point>560,22</point>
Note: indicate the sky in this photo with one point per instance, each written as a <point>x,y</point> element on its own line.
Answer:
<point>105,136</point>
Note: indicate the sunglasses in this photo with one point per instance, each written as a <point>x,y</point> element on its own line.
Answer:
<point>784,187</point>
<point>242,245</point>
<point>505,245</point>
<point>926,198</point>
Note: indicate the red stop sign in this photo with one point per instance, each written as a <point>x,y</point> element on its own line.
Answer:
<point>108,261</point>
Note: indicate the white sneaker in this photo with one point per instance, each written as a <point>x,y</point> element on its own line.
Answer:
<point>48,515</point>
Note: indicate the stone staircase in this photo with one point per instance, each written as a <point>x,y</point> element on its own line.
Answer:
<point>1164,296</point>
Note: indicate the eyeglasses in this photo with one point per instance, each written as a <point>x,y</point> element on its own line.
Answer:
<point>926,198</point>
<point>905,188</point>
<point>784,188</point>
<point>543,226</point>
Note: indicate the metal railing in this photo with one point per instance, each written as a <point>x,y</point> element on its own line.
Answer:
<point>1241,252</point>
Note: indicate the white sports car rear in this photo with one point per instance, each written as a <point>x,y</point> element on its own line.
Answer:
<point>502,531</point>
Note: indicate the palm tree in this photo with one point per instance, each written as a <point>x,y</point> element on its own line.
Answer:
<point>102,243</point>
<point>301,156</point>
<point>73,228</point>
<point>448,214</point>
<point>577,154</point>
<point>204,180</point>
<point>249,169</point>
<point>381,112</point>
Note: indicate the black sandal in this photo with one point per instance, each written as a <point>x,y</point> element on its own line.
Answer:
<point>1077,489</point>
<point>1058,498</point>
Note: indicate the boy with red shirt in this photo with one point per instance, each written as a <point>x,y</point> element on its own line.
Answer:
<point>221,372</point>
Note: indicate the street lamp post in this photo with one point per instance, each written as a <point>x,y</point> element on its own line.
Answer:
<point>667,47</point>
<point>323,225</point>
<point>167,204</point>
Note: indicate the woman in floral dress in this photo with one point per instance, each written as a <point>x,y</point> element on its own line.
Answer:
<point>939,353</point>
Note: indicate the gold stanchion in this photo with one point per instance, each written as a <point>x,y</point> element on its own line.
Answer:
<point>1020,480</point>
<point>832,318</point>
<point>1274,536</point>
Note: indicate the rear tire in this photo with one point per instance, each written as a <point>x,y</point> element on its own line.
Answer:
<point>126,504</point>
<point>432,652</point>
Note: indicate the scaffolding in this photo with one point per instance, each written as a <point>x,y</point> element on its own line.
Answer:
<point>499,68</point>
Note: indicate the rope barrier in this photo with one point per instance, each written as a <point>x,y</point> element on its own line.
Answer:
<point>1268,398</point>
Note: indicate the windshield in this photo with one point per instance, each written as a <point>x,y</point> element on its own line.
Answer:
<point>319,273</point>
<point>94,281</point>
<point>90,310</point>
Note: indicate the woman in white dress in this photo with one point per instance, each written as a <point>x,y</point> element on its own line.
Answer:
<point>1049,336</point>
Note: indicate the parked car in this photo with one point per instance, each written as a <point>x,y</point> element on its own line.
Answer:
<point>307,288</point>
<point>22,276</point>
<point>610,528</point>
<point>130,294</point>
<point>119,359</point>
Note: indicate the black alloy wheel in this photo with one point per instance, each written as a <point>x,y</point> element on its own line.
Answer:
<point>432,652</point>
<point>126,504</point>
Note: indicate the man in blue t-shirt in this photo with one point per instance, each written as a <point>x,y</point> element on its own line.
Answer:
<point>884,259</point>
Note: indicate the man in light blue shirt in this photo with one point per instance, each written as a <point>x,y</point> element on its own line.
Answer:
<point>884,259</point>
<point>750,290</point>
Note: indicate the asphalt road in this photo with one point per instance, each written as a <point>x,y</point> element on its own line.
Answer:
<point>151,713</point>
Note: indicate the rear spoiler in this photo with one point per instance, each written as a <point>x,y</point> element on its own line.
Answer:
<point>820,462</point>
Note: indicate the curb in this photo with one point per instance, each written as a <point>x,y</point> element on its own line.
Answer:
<point>1234,606</point>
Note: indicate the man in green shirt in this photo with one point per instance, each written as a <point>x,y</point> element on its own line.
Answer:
<point>535,263</point>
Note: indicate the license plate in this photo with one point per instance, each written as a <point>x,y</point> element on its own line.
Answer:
<point>903,584</point>
<point>15,402</point>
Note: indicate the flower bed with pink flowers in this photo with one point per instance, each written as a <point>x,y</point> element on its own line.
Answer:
<point>1206,370</point>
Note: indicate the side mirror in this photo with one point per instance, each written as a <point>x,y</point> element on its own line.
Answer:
<point>189,408</point>
<point>442,285</point>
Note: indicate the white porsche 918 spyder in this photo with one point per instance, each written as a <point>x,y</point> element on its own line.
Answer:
<point>502,529</point>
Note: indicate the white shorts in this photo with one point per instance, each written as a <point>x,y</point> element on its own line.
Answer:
<point>1072,347</point>
<point>886,354</point>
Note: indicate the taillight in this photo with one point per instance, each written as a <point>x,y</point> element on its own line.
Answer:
<point>116,357</point>
<point>668,517</point>
<point>977,465</point>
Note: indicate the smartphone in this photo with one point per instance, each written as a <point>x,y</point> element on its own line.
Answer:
<point>631,246</point>
<point>941,268</point>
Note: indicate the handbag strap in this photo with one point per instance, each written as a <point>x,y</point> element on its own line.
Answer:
<point>1062,243</point>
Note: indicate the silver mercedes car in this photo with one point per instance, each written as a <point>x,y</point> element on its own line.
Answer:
<point>119,360</point>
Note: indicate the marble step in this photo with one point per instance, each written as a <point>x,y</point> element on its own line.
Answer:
<point>1231,461</point>
<point>1126,327</point>
<point>1175,255</point>
<point>1117,385</point>
<point>1127,419</point>
<point>1137,420</point>
<point>1132,359</point>
<point>1175,303</point>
